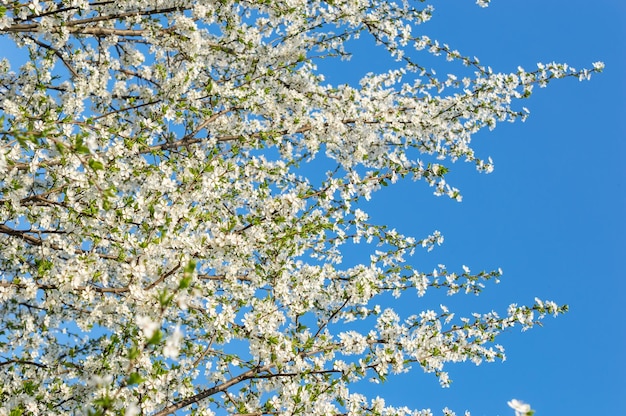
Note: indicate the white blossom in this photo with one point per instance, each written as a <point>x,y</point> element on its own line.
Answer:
<point>172,344</point>
<point>147,325</point>
<point>521,408</point>
<point>183,214</point>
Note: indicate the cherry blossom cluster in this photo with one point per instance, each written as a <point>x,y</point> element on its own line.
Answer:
<point>165,244</point>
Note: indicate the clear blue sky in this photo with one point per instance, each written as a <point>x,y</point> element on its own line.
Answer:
<point>551,215</point>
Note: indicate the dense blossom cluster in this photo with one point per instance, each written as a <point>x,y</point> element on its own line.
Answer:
<point>161,247</point>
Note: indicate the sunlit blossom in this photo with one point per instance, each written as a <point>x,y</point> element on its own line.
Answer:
<point>521,408</point>
<point>182,192</point>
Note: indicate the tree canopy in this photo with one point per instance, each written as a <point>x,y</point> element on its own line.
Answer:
<point>167,243</point>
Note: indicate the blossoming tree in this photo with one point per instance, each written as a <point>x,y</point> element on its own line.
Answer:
<point>162,247</point>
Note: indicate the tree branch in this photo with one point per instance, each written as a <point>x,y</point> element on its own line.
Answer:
<point>213,390</point>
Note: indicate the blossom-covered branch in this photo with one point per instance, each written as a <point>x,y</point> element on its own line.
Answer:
<point>164,247</point>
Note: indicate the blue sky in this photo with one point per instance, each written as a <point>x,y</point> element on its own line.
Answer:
<point>551,214</point>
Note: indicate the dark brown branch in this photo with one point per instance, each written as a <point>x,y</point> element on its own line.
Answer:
<point>213,390</point>
<point>330,318</point>
<point>126,14</point>
<point>58,55</point>
<point>9,362</point>
<point>134,107</point>
<point>64,9</point>
<point>23,234</point>
<point>32,27</point>
<point>222,277</point>
<point>79,288</point>
<point>189,138</point>
<point>250,374</point>
<point>163,277</point>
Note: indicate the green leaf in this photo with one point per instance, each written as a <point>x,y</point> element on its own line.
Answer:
<point>133,352</point>
<point>105,402</point>
<point>155,339</point>
<point>185,282</point>
<point>17,411</point>
<point>80,147</point>
<point>190,267</point>
<point>95,165</point>
<point>29,387</point>
<point>165,298</point>
<point>43,266</point>
<point>60,148</point>
<point>134,378</point>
